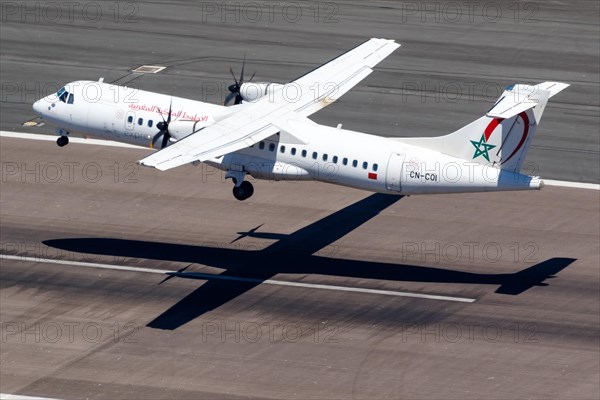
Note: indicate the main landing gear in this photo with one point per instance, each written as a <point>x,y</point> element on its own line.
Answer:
<point>242,189</point>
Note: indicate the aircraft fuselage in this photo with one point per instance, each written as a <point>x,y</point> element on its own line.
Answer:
<point>300,151</point>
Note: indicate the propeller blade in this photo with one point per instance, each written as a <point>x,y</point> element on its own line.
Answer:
<point>170,109</point>
<point>163,119</point>
<point>163,127</point>
<point>235,89</point>
<point>230,97</point>
<point>233,75</point>
<point>243,67</point>
<point>154,139</point>
<point>166,138</point>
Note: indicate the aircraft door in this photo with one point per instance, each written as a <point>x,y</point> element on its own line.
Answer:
<point>393,176</point>
<point>130,121</point>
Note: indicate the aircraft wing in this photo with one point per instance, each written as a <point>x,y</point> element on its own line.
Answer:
<point>256,121</point>
<point>330,81</point>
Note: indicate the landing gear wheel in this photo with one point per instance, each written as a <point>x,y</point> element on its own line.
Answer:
<point>62,141</point>
<point>244,191</point>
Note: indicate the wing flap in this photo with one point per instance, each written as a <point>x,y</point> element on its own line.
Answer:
<point>328,83</point>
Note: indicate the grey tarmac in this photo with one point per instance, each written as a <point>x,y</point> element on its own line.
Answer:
<point>529,259</point>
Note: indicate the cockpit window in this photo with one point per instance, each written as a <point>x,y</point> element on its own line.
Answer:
<point>62,94</point>
<point>65,96</point>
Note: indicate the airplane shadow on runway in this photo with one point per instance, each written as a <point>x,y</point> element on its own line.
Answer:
<point>296,253</point>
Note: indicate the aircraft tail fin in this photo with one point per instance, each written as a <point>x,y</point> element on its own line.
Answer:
<point>501,138</point>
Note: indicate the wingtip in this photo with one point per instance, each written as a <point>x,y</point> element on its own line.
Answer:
<point>554,87</point>
<point>146,164</point>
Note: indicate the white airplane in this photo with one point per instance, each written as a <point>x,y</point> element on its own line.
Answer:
<point>267,134</point>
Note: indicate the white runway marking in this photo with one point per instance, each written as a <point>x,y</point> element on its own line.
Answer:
<point>578,185</point>
<point>49,138</point>
<point>237,279</point>
<point>5,396</point>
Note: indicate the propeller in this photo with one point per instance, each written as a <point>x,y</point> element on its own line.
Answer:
<point>237,86</point>
<point>163,128</point>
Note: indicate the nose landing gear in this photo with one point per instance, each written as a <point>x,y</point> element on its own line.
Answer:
<point>63,139</point>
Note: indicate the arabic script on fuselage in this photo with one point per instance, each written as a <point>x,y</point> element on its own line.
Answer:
<point>181,114</point>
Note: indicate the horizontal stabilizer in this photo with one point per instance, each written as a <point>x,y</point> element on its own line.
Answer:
<point>519,98</point>
<point>521,281</point>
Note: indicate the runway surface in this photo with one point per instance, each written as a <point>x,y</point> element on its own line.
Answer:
<point>189,301</point>
<point>528,260</point>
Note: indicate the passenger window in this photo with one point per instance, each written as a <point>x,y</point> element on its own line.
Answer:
<point>261,145</point>
<point>335,159</point>
<point>354,163</point>
<point>303,153</point>
<point>315,155</point>
<point>140,121</point>
<point>271,146</point>
<point>282,149</point>
<point>150,122</point>
<point>365,165</point>
<point>345,161</point>
<point>71,99</point>
<point>130,119</point>
<point>324,157</point>
<point>375,166</point>
<point>293,151</point>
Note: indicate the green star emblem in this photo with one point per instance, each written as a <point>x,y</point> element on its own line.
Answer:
<point>482,148</point>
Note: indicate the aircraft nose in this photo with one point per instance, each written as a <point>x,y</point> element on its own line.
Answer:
<point>38,108</point>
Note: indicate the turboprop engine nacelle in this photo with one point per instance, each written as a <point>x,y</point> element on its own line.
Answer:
<point>253,91</point>
<point>179,129</point>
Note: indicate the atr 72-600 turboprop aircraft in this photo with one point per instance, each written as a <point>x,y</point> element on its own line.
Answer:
<point>267,134</point>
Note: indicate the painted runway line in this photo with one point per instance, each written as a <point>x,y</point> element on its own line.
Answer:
<point>5,396</point>
<point>236,279</point>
